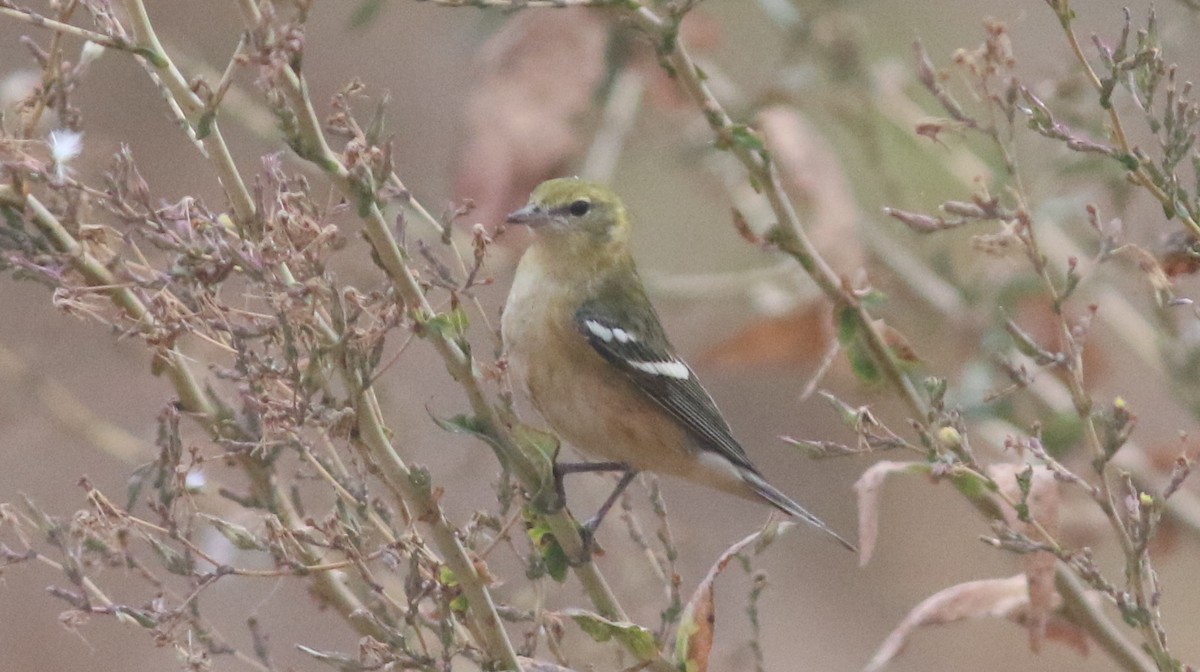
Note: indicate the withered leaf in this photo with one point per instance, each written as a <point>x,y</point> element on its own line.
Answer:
<point>988,598</point>
<point>868,488</point>
<point>694,637</point>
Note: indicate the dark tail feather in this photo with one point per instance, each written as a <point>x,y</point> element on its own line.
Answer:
<point>785,504</point>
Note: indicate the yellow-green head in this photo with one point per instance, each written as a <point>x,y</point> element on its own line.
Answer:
<point>575,214</point>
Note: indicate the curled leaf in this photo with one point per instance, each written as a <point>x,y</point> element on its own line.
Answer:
<point>868,488</point>
<point>694,637</point>
<point>989,598</point>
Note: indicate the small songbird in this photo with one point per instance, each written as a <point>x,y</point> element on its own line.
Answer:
<point>584,340</point>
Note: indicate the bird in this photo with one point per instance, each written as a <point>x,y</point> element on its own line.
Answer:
<point>582,338</point>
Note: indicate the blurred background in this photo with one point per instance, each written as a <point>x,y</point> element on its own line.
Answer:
<point>755,331</point>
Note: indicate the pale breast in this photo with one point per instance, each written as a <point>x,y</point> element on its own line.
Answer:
<point>577,392</point>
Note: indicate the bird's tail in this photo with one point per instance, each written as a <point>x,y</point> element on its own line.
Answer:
<point>785,504</point>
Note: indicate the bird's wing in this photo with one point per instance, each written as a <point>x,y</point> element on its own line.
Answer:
<point>640,350</point>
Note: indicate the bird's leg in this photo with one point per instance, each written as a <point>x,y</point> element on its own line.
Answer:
<point>589,528</point>
<point>594,522</point>
<point>561,469</point>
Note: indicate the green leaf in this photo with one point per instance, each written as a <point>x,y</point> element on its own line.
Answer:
<point>862,362</point>
<point>174,561</point>
<point>554,558</point>
<point>142,618</point>
<point>449,579</point>
<point>1061,432</point>
<point>465,424</point>
<point>365,13</point>
<point>744,137</point>
<point>972,484</point>
<point>137,480</point>
<point>847,325</point>
<point>460,604</point>
<point>452,325</point>
<point>240,537</point>
<point>637,640</point>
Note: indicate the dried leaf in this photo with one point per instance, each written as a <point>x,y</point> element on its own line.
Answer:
<point>1037,492</point>
<point>868,489</point>
<point>1156,275</point>
<point>539,74</point>
<point>989,598</point>
<point>1036,316</point>
<point>1180,254</point>
<point>897,343</point>
<point>694,637</point>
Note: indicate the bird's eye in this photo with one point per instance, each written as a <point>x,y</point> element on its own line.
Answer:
<point>580,208</point>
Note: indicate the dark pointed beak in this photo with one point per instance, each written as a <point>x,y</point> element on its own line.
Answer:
<point>531,215</point>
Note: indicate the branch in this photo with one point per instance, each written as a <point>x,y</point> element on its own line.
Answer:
<point>789,236</point>
<point>108,41</point>
<point>460,365</point>
<point>195,110</point>
<point>193,399</point>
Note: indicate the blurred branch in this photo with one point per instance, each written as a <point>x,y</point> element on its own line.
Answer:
<point>620,111</point>
<point>69,411</point>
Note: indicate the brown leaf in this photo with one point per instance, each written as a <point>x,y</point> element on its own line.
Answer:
<point>796,338</point>
<point>868,489</point>
<point>1157,275</point>
<point>539,72</point>
<point>813,175</point>
<point>1035,315</point>
<point>1180,254</point>
<point>989,598</point>
<point>1043,502</point>
<point>694,637</point>
<point>897,342</point>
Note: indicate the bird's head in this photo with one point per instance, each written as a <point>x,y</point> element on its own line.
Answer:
<point>575,213</point>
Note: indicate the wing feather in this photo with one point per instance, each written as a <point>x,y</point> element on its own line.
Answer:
<point>642,352</point>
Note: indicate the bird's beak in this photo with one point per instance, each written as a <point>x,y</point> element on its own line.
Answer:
<point>532,215</point>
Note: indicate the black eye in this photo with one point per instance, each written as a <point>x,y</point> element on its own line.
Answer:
<point>580,208</point>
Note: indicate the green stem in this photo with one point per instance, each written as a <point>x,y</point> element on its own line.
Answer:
<point>240,200</point>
